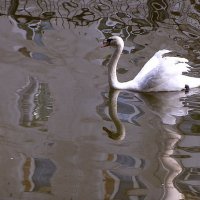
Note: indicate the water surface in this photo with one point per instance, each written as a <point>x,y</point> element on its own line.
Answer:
<point>64,134</point>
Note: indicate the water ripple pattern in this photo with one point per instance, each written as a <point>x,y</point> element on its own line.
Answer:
<point>64,134</point>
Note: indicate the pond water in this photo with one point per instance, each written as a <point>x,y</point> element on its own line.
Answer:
<point>64,134</point>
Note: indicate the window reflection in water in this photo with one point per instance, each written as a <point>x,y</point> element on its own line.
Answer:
<point>37,174</point>
<point>35,103</point>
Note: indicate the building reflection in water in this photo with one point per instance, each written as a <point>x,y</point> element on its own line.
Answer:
<point>171,165</point>
<point>169,107</point>
<point>120,186</point>
<point>30,27</point>
<point>37,174</point>
<point>35,103</point>
<point>26,23</point>
<point>189,180</point>
<point>31,30</point>
<point>128,19</point>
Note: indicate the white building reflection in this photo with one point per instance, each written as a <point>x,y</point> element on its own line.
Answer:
<point>169,107</point>
<point>34,103</point>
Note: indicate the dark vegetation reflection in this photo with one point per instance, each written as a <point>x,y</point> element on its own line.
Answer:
<point>125,18</point>
<point>178,112</point>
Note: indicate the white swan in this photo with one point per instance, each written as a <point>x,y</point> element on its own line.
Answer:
<point>160,73</point>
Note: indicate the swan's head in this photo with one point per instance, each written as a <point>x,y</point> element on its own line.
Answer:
<point>114,41</point>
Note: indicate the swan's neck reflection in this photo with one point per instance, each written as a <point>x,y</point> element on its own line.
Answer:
<point>172,167</point>
<point>120,132</point>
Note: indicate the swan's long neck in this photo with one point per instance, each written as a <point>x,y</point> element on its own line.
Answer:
<point>112,67</point>
<point>112,72</point>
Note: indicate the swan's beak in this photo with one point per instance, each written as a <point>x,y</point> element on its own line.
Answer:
<point>105,43</point>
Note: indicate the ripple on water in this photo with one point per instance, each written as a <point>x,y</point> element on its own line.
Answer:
<point>189,180</point>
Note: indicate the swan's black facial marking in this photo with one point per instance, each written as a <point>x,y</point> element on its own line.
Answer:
<point>187,88</point>
<point>107,42</point>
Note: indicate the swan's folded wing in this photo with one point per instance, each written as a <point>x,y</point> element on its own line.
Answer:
<point>173,66</point>
<point>159,70</point>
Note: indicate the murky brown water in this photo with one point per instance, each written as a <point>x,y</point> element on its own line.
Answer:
<point>64,135</point>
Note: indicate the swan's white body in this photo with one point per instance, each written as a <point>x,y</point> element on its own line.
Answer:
<point>160,73</point>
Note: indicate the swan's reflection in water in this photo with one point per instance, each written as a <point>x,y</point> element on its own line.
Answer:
<point>120,109</point>
<point>168,107</point>
<point>165,105</point>
<point>120,129</point>
<point>171,165</point>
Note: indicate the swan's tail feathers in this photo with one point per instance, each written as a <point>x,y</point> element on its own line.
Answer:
<point>183,67</point>
<point>174,65</point>
<point>160,53</point>
<point>178,59</point>
<point>191,81</point>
